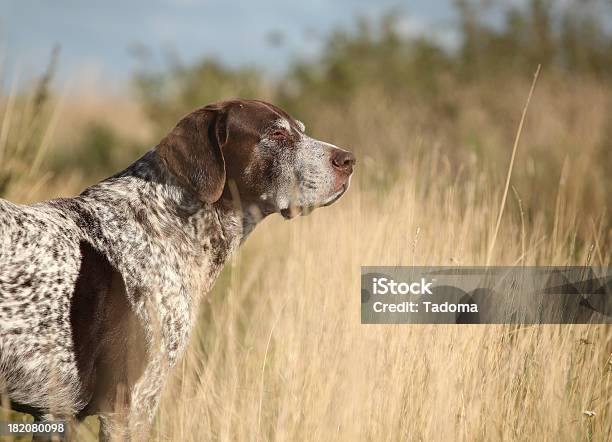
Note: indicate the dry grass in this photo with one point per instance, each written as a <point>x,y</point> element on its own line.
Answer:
<point>280,354</point>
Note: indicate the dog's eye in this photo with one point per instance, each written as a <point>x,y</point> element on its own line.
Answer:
<point>279,134</point>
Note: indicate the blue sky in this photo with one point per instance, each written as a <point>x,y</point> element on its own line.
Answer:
<point>99,35</point>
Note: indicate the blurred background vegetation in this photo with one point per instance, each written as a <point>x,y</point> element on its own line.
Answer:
<point>387,96</point>
<point>432,127</point>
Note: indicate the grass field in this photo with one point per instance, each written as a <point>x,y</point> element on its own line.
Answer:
<point>279,352</point>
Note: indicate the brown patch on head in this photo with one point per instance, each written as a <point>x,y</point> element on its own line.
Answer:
<point>215,144</point>
<point>247,123</point>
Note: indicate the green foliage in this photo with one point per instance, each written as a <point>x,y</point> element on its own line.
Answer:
<point>95,154</point>
<point>95,148</point>
<point>166,96</point>
<point>571,38</point>
<point>371,55</point>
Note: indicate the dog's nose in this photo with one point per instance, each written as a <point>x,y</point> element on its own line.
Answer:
<point>343,160</point>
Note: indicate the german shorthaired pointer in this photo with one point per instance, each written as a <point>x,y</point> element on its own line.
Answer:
<point>98,293</point>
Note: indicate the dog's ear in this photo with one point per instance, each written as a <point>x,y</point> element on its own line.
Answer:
<point>193,152</point>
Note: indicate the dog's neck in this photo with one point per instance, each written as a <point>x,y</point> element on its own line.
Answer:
<point>182,203</point>
<point>197,237</point>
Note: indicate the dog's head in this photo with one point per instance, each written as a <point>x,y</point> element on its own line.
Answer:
<point>257,152</point>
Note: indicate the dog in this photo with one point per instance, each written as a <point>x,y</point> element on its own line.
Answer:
<point>99,293</point>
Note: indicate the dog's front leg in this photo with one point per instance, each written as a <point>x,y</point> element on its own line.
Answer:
<point>134,423</point>
<point>113,428</point>
<point>145,399</point>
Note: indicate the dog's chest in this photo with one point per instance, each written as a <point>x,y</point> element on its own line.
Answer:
<point>166,277</point>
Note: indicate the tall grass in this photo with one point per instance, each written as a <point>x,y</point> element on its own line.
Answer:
<point>28,120</point>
